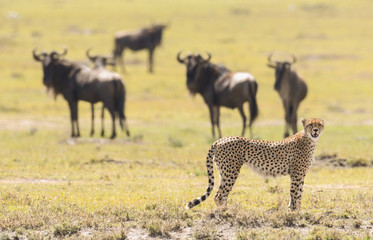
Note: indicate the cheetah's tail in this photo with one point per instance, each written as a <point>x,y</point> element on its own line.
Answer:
<point>210,172</point>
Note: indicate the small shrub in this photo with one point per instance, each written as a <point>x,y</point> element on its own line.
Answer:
<point>176,143</point>
<point>62,230</point>
<point>327,223</point>
<point>5,237</point>
<point>359,163</point>
<point>275,189</point>
<point>242,235</point>
<point>322,233</point>
<point>121,236</point>
<point>283,219</point>
<point>158,228</point>
<point>205,232</point>
<point>357,223</point>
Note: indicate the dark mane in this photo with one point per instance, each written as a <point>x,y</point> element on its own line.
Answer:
<point>222,69</point>
<point>215,70</point>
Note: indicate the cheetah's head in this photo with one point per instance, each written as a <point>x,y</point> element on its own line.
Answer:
<point>313,127</point>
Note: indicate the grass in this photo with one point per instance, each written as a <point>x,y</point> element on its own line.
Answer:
<point>52,186</point>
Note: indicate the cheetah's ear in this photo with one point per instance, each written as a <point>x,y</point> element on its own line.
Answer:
<point>304,121</point>
<point>322,122</point>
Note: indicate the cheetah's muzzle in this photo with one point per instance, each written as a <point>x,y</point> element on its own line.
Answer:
<point>315,133</point>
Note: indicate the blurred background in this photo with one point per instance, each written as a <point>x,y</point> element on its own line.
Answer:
<point>332,41</point>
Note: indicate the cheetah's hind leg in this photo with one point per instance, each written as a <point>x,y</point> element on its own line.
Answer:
<point>227,180</point>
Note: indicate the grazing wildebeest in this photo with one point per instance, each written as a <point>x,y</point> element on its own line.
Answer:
<point>99,62</point>
<point>146,38</point>
<point>77,82</point>
<point>292,90</point>
<point>220,87</point>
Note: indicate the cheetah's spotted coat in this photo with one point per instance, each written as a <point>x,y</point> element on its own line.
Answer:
<point>292,156</point>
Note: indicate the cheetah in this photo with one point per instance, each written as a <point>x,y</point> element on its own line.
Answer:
<point>292,156</point>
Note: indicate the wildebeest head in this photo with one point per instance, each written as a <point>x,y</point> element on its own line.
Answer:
<point>156,31</point>
<point>100,61</point>
<point>193,63</point>
<point>48,62</point>
<point>280,67</point>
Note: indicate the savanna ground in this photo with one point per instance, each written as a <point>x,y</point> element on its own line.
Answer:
<point>52,186</point>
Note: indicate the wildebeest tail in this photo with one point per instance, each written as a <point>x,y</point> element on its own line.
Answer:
<point>120,99</point>
<point>210,173</point>
<point>253,88</point>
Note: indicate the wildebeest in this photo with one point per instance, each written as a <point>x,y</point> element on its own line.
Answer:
<point>78,82</point>
<point>99,62</point>
<point>146,38</point>
<point>220,87</point>
<point>292,90</point>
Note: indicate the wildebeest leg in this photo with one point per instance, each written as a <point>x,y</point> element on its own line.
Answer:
<point>240,108</point>
<point>74,118</point>
<point>120,59</point>
<point>287,118</point>
<point>216,110</point>
<point>102,120</point>
<point>126,127</point>
<point>112,114</point>
<point>93,119</point>
<point>151,54</point>
<point>294,117</point>
<point>211,110</point>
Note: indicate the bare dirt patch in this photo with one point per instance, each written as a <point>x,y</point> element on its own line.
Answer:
<point>136,139</point>
<point>32,181</point>
<point>333,160</point>
<point>32,125</point>
<point>107,159</point>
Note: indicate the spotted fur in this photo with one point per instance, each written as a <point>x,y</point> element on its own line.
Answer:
<point>292,156</point>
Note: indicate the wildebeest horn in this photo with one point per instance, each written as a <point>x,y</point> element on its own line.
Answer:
<point>271,63</point>
<point>37,57</point>
<point>208,57</point>
<point>179,59</point>
<point>90,57</point>
<point>63,53</point>
<point>56,55</point>
<point>270,57</point>
<point>294,59</point>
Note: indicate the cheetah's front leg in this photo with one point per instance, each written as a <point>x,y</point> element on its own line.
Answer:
<point>296,190</point>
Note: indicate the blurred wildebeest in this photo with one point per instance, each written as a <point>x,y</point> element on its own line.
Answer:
<point>292,90</point>
<point>220,87</point>
<point>99,62</point>
<point>78,82</point>
<point>146,38</point>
